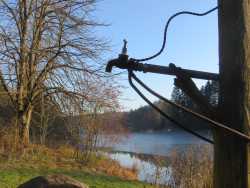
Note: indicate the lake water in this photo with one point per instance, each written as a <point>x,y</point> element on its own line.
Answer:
<point>157,143</point>
<point>154,144</point>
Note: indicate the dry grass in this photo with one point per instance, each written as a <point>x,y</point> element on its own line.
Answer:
<point>38,156</point>
<point>192,168</point>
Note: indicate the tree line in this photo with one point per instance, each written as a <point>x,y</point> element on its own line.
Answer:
<point>145,118</point>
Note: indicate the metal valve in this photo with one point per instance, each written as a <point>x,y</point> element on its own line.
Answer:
<point>121,61</point>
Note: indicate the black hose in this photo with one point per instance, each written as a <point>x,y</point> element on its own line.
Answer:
<point>166,29</point>
<point>130,73</point>
<point>211,122</point>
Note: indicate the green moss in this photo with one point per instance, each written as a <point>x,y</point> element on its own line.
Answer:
<point>11,178</point>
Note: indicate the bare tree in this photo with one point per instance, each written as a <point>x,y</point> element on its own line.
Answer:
<point>97,125</point>
<point>44,48</point>
<point>43,119</point>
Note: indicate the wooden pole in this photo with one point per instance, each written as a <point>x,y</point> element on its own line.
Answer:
<point>230,153</point>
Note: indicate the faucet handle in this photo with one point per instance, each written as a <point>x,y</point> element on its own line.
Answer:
<point>124,49</point>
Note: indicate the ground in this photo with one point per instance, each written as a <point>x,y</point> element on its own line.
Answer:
<point>10,178</point>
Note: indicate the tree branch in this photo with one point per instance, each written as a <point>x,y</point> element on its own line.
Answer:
<point>186,84</point>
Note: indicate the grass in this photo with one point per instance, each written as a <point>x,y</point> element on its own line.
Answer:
<point>11,178</point>
<point>41,161</point>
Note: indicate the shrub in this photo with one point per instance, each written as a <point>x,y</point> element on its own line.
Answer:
<point>191,168</point>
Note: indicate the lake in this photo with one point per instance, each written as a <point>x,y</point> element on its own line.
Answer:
<point>129,152</point>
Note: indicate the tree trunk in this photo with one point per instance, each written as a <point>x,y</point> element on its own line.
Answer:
<point>24,126</point>
<point>230,152</point>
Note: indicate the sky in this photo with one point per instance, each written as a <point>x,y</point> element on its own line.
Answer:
<point>192,42</point>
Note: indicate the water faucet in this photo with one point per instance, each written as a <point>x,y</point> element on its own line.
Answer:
<point>121,61</point>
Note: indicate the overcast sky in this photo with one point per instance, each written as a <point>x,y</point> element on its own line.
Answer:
<point>192,42</point>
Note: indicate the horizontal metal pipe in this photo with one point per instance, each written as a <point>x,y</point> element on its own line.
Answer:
<point>124,63</point>
<point>172,71</point>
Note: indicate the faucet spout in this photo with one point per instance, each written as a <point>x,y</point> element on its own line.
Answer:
<point>111,64</point>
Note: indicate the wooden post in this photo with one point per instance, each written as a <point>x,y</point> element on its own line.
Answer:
<point>230,153</point>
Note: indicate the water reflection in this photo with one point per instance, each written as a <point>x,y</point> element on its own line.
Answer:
<point>147,170</point>
<point>148,152</point>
